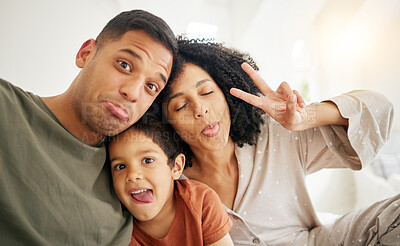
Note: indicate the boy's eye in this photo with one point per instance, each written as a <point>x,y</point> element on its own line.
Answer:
<point>148,160</point>
<point>119,167</point>
<point>125,65</point>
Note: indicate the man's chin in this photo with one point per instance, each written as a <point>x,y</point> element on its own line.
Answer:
<point>110,132</point>
<point>110,127</point>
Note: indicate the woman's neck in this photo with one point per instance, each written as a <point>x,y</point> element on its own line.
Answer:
<point>217,169</point>
<point>214,161</point>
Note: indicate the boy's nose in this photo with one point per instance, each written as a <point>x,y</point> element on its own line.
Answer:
<point>134,175</point>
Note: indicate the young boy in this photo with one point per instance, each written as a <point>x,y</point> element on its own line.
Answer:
<point>146,163</point>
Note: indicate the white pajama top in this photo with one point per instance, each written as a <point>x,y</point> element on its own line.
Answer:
<point>272,205</point>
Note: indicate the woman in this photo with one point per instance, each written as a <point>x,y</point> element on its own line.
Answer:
<point>257,162</point>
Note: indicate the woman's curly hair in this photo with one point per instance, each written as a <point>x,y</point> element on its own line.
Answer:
<point>224,66</point>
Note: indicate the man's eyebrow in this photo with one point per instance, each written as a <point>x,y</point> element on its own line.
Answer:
<point>163,78</point>
<point>132,53</point>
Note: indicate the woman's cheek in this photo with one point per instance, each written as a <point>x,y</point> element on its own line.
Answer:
<point>188,134</point>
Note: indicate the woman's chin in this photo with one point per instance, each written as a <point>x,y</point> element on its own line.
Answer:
<point>214,144</point>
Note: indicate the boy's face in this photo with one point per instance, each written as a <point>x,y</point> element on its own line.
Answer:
<point>142,178</point>
<point>120,80</point>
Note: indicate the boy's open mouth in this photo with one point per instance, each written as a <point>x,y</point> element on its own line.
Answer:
<point>142,195</point>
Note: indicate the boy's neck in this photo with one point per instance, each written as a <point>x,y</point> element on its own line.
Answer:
<point>159,226</point>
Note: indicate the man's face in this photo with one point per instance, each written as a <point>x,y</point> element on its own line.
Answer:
<point>119,81</point>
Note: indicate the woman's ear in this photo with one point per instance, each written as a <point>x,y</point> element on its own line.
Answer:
<point>178,167</point>
<point>84,52</point>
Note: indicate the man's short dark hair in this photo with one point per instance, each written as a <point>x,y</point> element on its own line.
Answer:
<point>138,20</point>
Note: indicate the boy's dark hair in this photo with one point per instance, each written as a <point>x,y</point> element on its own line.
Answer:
<point>224,66</point>
<point>138,20</point>
<point>162,134</point>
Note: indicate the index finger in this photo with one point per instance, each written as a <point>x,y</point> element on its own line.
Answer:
<point>250,99</point>
<point>258,80</point>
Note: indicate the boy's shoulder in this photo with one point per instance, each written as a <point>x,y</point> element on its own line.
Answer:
<point>193,183</point>
<point>196,195</point>
<point>190,187</point>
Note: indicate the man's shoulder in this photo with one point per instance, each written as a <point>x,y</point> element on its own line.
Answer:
<point>11,92</point>
<point>16,104</point>
<point>6,86</point>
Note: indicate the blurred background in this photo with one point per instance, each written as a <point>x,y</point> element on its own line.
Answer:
<point>321,47</point>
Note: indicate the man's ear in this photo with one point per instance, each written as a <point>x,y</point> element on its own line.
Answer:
<point>87,48</point>
<point>178,167</point>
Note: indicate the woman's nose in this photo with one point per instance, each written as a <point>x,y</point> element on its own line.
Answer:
<point>200,110</point>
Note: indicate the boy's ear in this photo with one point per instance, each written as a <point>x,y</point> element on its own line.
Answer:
<point>87,48</point>
<point>178,167</point>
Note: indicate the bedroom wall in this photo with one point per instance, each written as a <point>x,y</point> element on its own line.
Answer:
<point>333,45</point>
<point>39,40</point>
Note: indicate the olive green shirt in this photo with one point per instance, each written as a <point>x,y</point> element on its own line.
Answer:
<point>55,189</point>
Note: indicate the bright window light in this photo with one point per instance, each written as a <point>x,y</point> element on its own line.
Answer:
<point>202,31</point>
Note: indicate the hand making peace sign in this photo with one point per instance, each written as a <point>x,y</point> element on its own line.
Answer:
<point>284,105</point>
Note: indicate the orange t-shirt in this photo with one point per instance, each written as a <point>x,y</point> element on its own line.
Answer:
<point>200,218</point>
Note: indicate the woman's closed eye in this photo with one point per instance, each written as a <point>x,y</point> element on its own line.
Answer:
<point>207,93</point>
<point>181,107</point>
<point>202,94</point>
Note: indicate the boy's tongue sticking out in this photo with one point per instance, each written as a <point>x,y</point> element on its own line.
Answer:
<point>145,196</point>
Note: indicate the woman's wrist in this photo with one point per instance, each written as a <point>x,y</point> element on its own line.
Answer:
<point>324,113</point>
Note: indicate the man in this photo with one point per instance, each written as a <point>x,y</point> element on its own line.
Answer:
<point>55,188</point>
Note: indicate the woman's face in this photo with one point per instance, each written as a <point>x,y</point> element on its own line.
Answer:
<point>198,111</point>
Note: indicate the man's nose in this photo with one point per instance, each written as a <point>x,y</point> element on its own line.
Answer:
<point>131,90</point>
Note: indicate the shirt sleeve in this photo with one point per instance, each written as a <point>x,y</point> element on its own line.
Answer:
<point>215,221</point>
<point>370,116</point>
